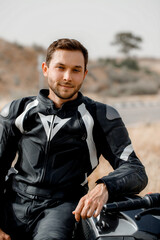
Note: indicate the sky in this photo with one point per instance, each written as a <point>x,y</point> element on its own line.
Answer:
<point>93,22</point>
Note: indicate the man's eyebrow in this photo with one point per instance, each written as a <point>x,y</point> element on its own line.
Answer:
<point>58,63</point>
<point>76,66</point>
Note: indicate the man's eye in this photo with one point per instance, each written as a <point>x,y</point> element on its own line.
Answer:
<point>60,67</point>
<point>76,70</point>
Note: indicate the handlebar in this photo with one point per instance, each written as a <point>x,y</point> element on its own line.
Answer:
<point>148,201</point>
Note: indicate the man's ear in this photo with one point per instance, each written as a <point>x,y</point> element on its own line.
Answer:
<point>85,73</point>
<point>45,69</point>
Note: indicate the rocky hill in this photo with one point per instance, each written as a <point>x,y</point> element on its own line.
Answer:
<point>19,75</point>
<point>115,80</point>
<point>18,69</point>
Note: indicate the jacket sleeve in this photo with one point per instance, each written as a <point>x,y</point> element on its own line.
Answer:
<point>129,176</point>
<point>8,144</point>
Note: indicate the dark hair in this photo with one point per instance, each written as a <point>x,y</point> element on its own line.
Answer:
<point>66,44</point>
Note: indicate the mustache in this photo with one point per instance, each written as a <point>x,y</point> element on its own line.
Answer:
<point>67,84</point>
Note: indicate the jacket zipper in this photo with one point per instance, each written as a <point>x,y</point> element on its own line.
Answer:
<point>47,148</point>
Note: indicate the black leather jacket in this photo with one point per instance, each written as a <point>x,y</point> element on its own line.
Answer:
<point>58,148</point>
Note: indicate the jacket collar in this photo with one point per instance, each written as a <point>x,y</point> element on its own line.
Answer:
<point>49,104</point>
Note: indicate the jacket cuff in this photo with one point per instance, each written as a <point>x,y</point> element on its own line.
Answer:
<point>113,191</point>
<point>109,189</point>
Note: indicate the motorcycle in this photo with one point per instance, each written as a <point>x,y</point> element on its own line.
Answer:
<point>133,218</point>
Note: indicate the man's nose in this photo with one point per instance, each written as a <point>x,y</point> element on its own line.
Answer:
<point>67,75</point>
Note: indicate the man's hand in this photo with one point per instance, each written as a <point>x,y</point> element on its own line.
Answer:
<point>91,204</point>
<point>4,236</point>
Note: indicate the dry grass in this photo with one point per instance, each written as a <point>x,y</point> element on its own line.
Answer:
<point>146,142</point>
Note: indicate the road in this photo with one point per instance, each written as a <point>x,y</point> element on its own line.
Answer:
<point>134,113</point>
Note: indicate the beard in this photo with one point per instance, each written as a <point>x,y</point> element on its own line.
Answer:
<point>65,94</point>
<point>68,96</point>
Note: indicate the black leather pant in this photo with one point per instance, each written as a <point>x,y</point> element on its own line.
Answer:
<point>29,219</point>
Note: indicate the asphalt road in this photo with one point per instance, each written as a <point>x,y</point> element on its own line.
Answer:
<point>134,113</point>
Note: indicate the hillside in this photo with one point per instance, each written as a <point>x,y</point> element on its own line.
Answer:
<point>108,78</point>
<point>19,75</point>
<point>18,70</point>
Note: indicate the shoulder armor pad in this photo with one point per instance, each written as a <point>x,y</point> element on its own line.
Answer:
<point>112,113</point>
<point>5,110</point>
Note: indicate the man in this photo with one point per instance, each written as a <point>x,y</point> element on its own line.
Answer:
<point>59,137</point>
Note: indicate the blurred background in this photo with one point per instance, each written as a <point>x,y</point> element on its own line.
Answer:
<point>123,40</point>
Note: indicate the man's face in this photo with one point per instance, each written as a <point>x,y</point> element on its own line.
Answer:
<point>65,74</point>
